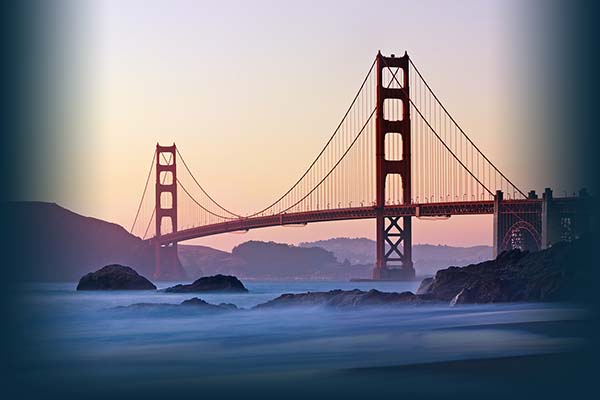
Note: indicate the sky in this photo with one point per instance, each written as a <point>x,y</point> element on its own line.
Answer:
<point>250,92</point>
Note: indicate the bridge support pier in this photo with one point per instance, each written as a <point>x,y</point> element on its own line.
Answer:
<point>551,229</point>
<point>499,228</point>
<point>394,233</point>
<point>167,264</point>
<point>564,220</point>
<point>394,249</point>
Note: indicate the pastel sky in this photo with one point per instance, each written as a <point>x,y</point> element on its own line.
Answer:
<point>251,90</point>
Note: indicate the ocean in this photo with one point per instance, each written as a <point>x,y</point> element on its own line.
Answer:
<point>77,342</point>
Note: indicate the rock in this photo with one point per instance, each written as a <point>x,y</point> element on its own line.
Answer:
<point>217,283</point>
<point>340,299</point>
<point>424,286</point>
<point>194,304</point>
<point>198,302</point>
<point>553,274</point>
<point>115,277</point>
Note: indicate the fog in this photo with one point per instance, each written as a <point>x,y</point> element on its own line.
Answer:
<point>81,335</point>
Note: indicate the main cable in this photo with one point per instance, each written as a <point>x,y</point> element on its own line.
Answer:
<point>201,188</point>
<point>459,127</point>
<point>143,193</point>
<point>438,136</point>
<point>324,148</point>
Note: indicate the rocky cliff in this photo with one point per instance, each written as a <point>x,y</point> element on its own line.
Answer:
<point>560,273</point>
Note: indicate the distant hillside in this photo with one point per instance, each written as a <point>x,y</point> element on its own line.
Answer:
<point>427,258</point>
<point>355,250</point>
<point>203,260</point>
<point>51,243</point>
<point>283,260</point>
<point>340,258</point>
<point>55,244</point>
<point>268,260</point>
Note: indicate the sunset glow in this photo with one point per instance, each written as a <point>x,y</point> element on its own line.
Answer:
<point>251,110</point>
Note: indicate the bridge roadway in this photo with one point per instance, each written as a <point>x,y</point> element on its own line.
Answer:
<point>340,214</point>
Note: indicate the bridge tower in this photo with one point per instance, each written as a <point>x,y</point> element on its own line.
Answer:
<point>166,260</point>
<point>394,233</point>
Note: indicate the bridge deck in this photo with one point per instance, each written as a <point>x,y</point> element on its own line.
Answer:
<point>418,210</point>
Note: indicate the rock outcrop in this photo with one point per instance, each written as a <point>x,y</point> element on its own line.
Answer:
<point>198,302</point>
<point>424,286</point>
<point>341,299</point>
<point>217,283</point>
<point>555,274</point>
<point>115,277</point>
<point>194,304</point>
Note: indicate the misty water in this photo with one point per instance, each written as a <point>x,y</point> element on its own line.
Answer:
<point>82,336</point>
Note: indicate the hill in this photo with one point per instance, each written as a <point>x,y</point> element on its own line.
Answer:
<point>268,260</point>
<point>52,243</point>
<point>203,260</point>
<point>427,258</point>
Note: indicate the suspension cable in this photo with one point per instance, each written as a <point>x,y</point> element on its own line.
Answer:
<point>149,223</point>
<point>460,129</point>
<point>200,205</point>
<point>201,188</point>
<point>336,164</point>
<point>436,134</point>
<point>167,162</point>
<point>333,168</point>
<point>143,193</point>
<point>326,144</point>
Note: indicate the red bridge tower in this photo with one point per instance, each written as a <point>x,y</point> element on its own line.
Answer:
<point>167,263</point>
<point>394,233</point>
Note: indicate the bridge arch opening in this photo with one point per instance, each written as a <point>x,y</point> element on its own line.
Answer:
<point>393,189</point>
<point>522,236</point>
<point>166,160</point>
<point>166,225</point>
<point>166,200</point>
<point>393,146</point>
<point>392,109</point>
<point>166,177</point>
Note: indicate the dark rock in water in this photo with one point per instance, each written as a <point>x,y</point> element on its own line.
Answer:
<point>554,274</point>
<point>115,277</point>
<point>217,283</point>
<point>342,299</point>
<point>194,304</point>
<point>198,302</point>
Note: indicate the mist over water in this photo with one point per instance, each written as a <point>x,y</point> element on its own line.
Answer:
<point>82,336</point>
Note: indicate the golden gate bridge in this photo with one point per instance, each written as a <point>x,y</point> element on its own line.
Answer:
<point>396,154</point>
